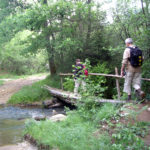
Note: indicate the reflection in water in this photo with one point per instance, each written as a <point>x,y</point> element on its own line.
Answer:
<point>12,121</point>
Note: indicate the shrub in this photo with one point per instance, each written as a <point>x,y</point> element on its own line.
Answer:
<point>68,84</point>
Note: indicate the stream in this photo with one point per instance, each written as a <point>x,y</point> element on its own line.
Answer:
<point>12,122</point>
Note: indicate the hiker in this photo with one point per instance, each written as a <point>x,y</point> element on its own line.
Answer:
<point>79,71</point>
<point>131,68</point>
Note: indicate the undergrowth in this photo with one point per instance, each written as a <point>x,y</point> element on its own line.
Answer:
<point>34,92</point>
<point>91,127</point>
<point>75,133</point>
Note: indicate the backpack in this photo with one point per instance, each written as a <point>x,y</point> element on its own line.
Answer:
<point>85,71</point>
<point>135,57</point>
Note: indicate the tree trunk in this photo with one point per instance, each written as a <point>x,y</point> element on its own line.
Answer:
<point>52,67</point>
<point>89,26</point>
<point>143,10</point>
<point>49,49</point>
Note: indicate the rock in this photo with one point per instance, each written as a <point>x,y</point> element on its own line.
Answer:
<point>53,103</point>
<point>39,118</point>
<point>47,103</point>
<point>58,117</point>
<point>54,112</point>
<point>56,105</point>
<point>148,109</point>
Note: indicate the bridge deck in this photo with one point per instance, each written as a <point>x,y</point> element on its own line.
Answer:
<point>71,98</point>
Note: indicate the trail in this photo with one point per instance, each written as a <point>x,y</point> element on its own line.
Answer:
<point>12,86</point>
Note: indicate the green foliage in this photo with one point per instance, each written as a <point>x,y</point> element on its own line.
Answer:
<point>99,68</point>
<point>128,137</point>
<point>73,133</point>
<point>97,85</point>
<point>35,92</point>
<point>105,113</point>
<point>79,130</point>
<point>1,82</point>
<point>13,61</point>
<point>68,84</point>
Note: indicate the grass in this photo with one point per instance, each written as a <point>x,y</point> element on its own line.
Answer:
<point>11,76</point>
<point>5,75</point>
<point>72,134</point>
<point>35,92</point>
<point>93,132</point>
<point>1,82</point>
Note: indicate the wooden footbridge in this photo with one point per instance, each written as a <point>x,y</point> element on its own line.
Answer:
<point>71,98</point>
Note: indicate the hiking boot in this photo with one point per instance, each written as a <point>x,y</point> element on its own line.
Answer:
<point>129,97</point>
<point>140,94</point>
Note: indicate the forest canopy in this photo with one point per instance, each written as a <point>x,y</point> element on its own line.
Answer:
<point>34,33</point>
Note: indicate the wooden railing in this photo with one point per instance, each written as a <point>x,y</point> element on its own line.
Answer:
<point>117,76</point>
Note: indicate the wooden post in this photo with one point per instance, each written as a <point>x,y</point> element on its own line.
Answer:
<point>117,83</point>
<point>61,81</point>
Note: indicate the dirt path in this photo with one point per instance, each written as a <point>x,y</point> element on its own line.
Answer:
<point>12,86</point>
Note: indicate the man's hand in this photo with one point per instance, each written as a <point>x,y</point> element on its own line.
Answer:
<point>122,70</point>
<point>122,73</point>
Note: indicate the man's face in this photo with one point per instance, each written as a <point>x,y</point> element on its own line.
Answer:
<point>127,44</point>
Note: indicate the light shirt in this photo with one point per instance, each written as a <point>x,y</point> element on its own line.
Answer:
<point>126,61</point>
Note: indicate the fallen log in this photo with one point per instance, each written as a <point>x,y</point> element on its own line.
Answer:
<point>112,101</point>
<point>67,97</point>
<point>70,98</point>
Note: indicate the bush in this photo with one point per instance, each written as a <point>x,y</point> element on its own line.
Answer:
<point>68,84</point>
<point>98,84</point>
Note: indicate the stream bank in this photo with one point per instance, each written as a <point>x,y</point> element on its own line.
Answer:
<point>12,123</point>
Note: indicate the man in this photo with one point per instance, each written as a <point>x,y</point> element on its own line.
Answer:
<point>78,76</point>
<point>133,69</point>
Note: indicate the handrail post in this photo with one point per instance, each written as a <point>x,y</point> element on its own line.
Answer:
<point>117,83</point>
<point>61,81</point>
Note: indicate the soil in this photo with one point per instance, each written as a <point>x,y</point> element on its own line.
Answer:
<point>12,86</point>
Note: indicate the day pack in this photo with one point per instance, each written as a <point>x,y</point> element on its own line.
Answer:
<point>85,71</point>
<point>135,57</point>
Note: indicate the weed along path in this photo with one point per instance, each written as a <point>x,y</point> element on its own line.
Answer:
<point>12,86</point>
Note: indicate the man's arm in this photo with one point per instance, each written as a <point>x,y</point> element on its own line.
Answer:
<point>122,70</point>
<point>126,56</point>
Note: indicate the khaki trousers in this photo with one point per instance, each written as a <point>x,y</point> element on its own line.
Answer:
<point>134,79</point>
<point>79,82</point>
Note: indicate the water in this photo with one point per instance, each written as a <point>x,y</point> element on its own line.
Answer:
<point>12,122</point>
